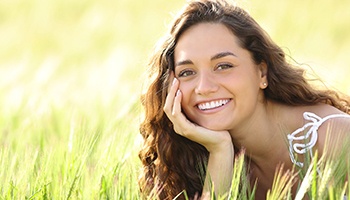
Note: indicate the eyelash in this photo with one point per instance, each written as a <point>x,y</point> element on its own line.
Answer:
<point>183,72</point>
<point>223,66</point>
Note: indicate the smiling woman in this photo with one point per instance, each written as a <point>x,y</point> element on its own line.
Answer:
<point>217,69</point>
<point>223,86</point>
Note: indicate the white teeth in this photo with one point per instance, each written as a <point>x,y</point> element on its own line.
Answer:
<point>212,104</point>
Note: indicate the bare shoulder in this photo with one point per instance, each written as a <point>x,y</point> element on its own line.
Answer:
<point>334,127</point>
<point>334,120</point>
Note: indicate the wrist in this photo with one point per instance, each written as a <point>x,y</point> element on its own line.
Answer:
<point>225,146</point>
<point>226,150</point>
<point>220,169</point>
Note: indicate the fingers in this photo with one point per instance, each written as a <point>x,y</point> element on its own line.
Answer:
<point>172,108</point>
<point>170,99</point>
<point>181,124</point>
<point>177,103</point>
<point>171,79</point>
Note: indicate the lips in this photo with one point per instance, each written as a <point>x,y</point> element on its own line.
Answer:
<point>212,104</point>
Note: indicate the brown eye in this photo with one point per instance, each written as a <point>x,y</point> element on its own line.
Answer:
<point>185,73</point>
<point>224,66</point>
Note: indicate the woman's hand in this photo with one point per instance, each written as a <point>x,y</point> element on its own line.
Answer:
<point>211,140</point>
<point>218,143</point>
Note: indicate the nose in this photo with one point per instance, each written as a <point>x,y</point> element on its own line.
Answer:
<point>206,84</point>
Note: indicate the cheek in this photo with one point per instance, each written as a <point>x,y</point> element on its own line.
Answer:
<point>183,84</point>
<point>186,99</point>
<point>186,92</point>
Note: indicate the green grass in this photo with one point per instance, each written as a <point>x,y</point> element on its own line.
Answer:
<point>72,72</point>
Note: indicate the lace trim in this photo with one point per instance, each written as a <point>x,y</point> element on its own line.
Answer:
<point>314,123</point>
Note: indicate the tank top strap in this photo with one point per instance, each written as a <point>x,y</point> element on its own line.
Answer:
<point>305,142</point>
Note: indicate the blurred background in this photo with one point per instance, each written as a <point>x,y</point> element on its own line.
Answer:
<point>81,52</point>
<point>72,71</point>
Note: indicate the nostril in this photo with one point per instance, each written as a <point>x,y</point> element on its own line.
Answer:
<point>206,86</point>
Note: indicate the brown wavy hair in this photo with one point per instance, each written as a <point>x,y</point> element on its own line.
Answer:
<point>172,163</point>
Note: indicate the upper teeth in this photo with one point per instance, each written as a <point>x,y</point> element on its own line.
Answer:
<point>212,104</point>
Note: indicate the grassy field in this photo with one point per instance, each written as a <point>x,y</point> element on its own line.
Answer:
<point>71,73</point>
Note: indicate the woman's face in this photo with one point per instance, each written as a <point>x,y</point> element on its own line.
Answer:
<point>220,83</point>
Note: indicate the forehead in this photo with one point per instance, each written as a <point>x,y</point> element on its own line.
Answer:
<point>205,39</point>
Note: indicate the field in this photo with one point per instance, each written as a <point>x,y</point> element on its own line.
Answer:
<point>71,73</point>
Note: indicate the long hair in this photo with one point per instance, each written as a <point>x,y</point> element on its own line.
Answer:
<point>172,163</point>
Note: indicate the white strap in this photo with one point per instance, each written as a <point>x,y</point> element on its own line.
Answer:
<point>314,123</point>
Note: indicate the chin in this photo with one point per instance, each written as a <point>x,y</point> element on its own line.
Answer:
<point>214,127</point>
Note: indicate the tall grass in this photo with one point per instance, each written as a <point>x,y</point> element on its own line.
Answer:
<point>71,73</point>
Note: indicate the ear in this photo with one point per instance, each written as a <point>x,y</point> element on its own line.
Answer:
<point>263,75</point>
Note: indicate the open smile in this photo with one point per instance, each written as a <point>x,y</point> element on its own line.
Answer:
<point>212,104</point>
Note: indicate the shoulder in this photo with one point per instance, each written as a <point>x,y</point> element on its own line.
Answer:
<point>334,127</point>
<point>300,115</point>
<point>332,119</point>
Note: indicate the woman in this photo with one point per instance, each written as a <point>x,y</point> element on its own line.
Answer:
<point>222,85</point>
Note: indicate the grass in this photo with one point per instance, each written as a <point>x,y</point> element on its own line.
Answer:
<point>72,72</point>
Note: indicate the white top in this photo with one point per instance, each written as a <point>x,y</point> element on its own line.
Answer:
<point>311,135</point>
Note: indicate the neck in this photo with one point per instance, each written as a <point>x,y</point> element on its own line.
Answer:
<point>263,134</point>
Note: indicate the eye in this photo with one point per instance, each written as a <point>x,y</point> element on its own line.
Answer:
<point>223,66</point>
<point>186,72</point>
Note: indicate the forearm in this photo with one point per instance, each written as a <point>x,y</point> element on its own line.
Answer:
<point>219,171</point>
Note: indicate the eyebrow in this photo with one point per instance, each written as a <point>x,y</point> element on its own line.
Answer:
<point>222,54</point>
<point>215,57</point>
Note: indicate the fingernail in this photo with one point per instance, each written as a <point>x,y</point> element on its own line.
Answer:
<point>178,92</point>
<point>174,81</point>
